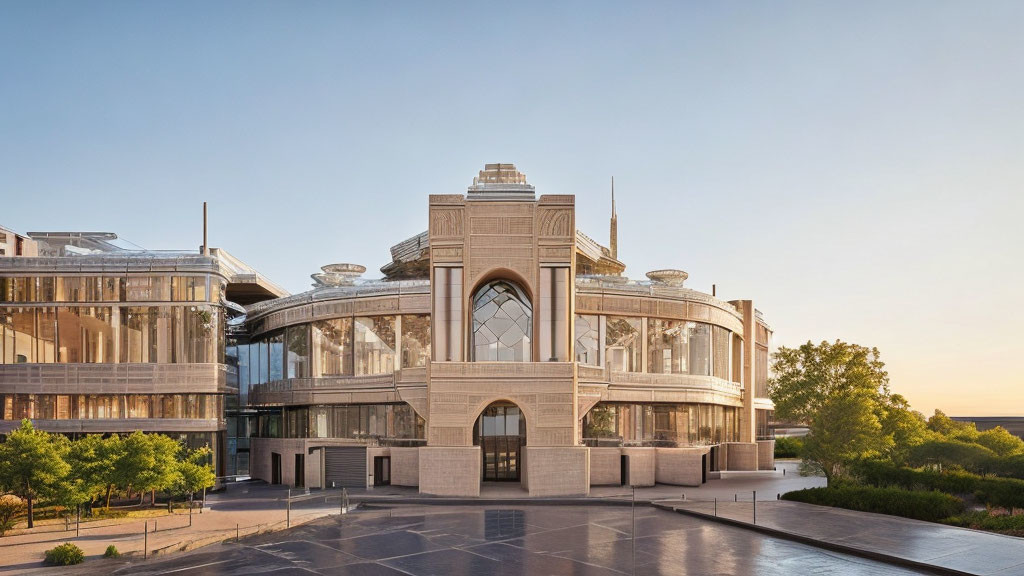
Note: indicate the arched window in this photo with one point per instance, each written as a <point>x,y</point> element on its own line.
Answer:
<point>502,323</point>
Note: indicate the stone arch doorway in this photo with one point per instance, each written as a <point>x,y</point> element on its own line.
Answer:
<point>500,432</point>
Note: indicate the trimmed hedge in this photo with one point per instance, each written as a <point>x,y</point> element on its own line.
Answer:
<point>1005,492</point>
<point>65,555</point>
<point>930,506</point>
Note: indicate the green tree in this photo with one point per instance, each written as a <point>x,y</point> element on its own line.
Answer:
<point>32,464</point>
<point>1000,441</point>
<point>89,466</point>
<point>840,391</point>
<point>146,462</point>
<point>952,429</point>
<point>906,427</point>
<point>195,473</point>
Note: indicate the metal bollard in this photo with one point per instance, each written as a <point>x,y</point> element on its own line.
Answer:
<point>236,533</point>
<point>145,541</point>
<point>735,497</point>
<point>716,507</point>
<point>755,506</point>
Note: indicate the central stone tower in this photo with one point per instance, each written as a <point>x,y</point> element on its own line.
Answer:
<point>502,384</point>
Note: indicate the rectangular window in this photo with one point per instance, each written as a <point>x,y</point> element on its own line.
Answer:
<point>721,356</point>
<point>415,340</point>
<point>332,344</point>
<point>275,351</point>
<point>588,338</point>
<point>622,344</point>
<point>667,346</point>
<point>700,348</point>
<point>297,338</point>
<point>374,345</point>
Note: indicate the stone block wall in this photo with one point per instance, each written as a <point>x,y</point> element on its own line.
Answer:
<point>766,454</point>
<point>605,466</point>
<point>641,466</point>
<point>405,466</point>
<point>680,466</point>
<point>449,470</point>
<point>742,456</point>
<point>558,471</point>
<point>260,460</point>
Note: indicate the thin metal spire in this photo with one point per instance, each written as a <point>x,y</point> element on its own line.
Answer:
<point>613,233</point>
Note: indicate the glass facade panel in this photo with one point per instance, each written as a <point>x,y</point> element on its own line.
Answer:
<point>297,339</point>
<point>667,346</point>
<point>662,424</point>
<point>721,355</point>
<point>374,345</point>
<point>332,343</point>
<point>107,406</point>
<point>502,324</point>
<point>275,351</point>
<point>622,344</point>
<point>700,348</point>
<point>415,340</point>
<point>356,421</point>
<point>588,339</point>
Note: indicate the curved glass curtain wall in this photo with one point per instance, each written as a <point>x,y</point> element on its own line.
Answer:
<point>673,346</point>
<point>666,425</point>
<point>502,323</point>
<point>354,346</point>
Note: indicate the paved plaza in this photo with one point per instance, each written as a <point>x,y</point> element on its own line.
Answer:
<point>499,541</point>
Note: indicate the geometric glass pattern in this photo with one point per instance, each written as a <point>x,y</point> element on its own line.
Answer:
<point>502,323</point>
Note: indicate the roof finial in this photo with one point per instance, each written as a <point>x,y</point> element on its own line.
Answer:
<point>613,236</point>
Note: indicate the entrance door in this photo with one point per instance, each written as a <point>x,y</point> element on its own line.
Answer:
<point>382,470</point>
<point>300,470</point>
<point>275,468</point>
<point>501,435</point>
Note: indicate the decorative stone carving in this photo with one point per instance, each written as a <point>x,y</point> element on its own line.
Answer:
<point>446,223</point>
<point>555,223</point>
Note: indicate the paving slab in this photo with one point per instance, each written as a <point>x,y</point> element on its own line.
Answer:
<point>513,541</point>
<point>948,549</point>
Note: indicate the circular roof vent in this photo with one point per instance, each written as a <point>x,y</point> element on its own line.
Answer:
<point>341,274</point>
<point>669,277</point>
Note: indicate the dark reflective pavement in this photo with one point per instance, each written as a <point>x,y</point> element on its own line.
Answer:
<point>497,541</point>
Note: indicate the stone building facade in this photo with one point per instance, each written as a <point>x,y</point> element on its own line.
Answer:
<point>502,344</point>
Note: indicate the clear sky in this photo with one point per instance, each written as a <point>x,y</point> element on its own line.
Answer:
<point>854,168</point>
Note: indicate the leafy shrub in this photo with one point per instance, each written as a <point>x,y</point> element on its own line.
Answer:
<point>111,552</point>
<point>788,447</point>
<point>1012,525</point>
<point>1009,466</point>
<point>1008,492</point>
<point>930,506</point>
<point>972,457</point>
<point>65,555</point>
<point>10,507</point>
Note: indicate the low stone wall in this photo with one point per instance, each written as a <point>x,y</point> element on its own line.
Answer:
<point>405,466</point>
<point>742,456</point>
<point>605,466</point>
<point>766,454</point>
<point>260,460</point>
<point>558,471</point>
<point>680,466</point>
<point>641,466</point>
<point>449,470</point>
